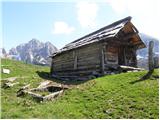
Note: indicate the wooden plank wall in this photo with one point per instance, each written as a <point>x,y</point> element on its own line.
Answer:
<point>94,58</point>
<point>81,61</point>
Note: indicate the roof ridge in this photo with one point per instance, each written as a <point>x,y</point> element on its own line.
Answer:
<point>108,26</point>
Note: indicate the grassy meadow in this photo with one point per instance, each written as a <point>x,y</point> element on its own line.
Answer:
<point>110,96</point>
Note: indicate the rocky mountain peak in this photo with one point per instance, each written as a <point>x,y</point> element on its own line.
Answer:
<point>33,51</point>
<point>13,51</point>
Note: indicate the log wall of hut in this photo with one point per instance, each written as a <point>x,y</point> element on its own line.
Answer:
<point>78,62</point>
<point>93,59</point>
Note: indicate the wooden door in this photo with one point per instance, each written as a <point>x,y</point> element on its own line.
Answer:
<point>111,54</point>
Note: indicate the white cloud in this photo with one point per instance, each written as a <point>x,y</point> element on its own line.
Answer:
<point>87,13</point>
<point>61,27</point>
<point>144,12</point>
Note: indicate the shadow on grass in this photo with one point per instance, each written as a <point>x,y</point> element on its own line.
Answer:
<point>46,75</point>
<point>149,76</point>
<point>136,81</point>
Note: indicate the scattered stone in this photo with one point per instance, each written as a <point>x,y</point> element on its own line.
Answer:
<point>44,84</point>
<point>24,87</point>
<point>6,71</point>
<point>107,111</point>
<point>8,84</point>
<point>21,91</point>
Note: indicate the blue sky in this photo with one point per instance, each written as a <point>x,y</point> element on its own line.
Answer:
<point>63,22</point>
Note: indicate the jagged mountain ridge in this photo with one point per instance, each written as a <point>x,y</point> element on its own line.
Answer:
<point>34,52</point>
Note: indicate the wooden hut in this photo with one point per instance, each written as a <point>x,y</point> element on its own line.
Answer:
<point>98,53</point>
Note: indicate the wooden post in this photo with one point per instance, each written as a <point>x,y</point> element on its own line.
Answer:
<point>124,53</point>
<point>102,61</point>
<point>75,60</point>
<point>150,56</point>
<point>51,69</point>
<point>150,61</point>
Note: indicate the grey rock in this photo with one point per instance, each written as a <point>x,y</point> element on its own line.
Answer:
<point>34,52</point>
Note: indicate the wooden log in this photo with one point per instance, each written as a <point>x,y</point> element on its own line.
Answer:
<point>93,55</point>
<point>81,72</point>
<point>35,95</point>
<point>64,64</point>
<point>88,57</point>
<point>8,84</point>
<point>76,71</point>
<point>63,60</point>
<point>61,69</point>
<point>67,55</point>
<point>88,51</point>
<point>88,62</point>
<point>129,68</point>
<point>52,96</point>
<point>89,67</point>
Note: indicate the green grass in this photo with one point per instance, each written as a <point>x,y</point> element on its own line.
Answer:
<point>112,96</point>
<point>42,93</point>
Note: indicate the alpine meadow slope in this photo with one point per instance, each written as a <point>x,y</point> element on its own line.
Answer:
<point>111,96</point>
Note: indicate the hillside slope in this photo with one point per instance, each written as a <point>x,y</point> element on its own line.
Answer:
<point>112,96</point>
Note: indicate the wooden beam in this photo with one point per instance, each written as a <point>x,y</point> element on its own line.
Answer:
<point>121,42</point>
<point>75,62</point>
<point>130,35</point>
<point>124,53</point>
<point>52,67</point>
<point>102,60</point>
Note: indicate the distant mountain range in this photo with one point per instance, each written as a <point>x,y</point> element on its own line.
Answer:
<point>34,52</point>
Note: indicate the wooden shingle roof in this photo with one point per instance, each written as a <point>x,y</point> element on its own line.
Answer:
<point>107,32</point>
